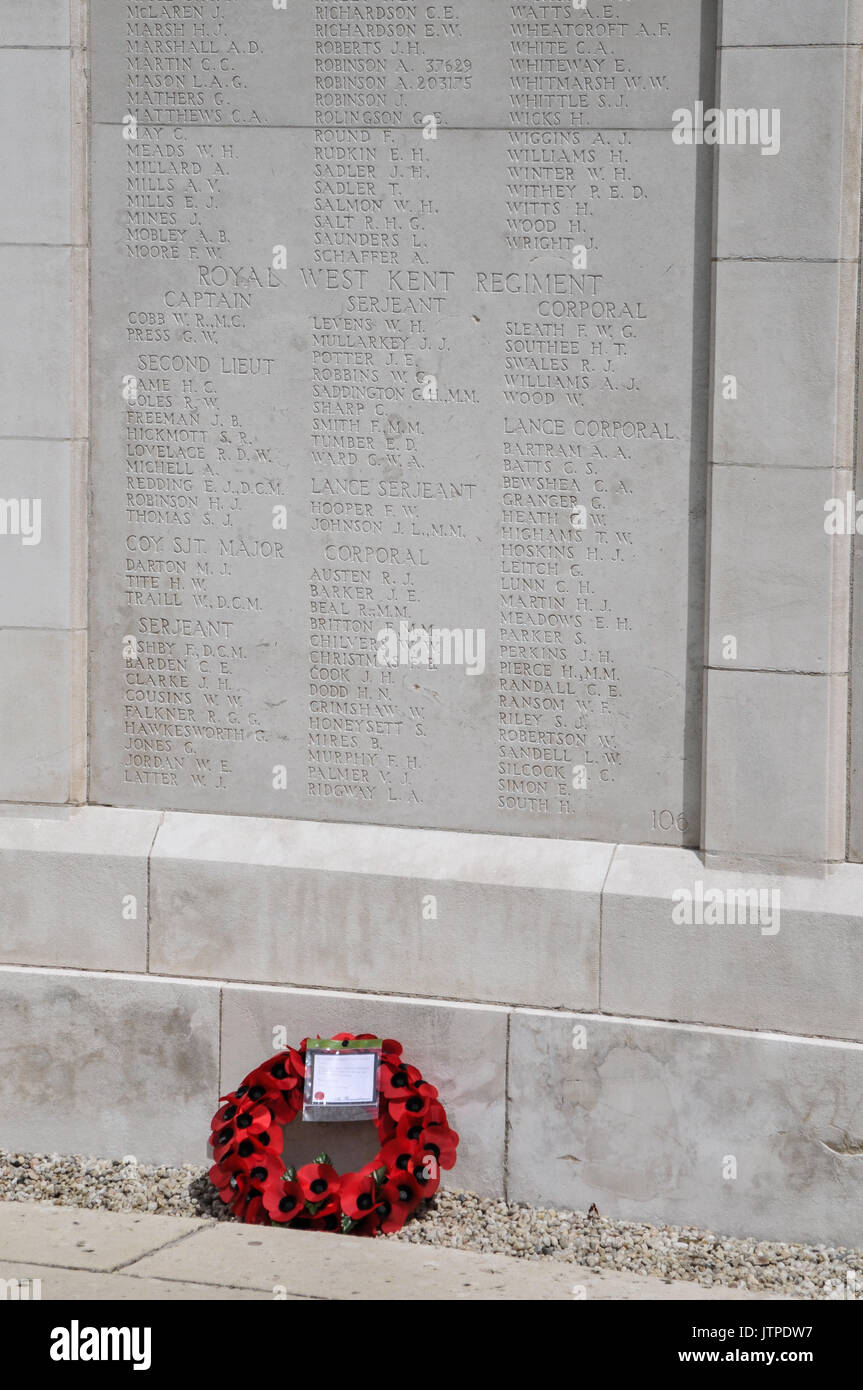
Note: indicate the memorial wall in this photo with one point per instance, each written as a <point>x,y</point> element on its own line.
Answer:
<point>419,616</point>
<point>399,392</point>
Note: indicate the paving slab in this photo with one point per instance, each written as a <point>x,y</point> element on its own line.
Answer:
<point>77,1238</point>
<point>78,1285</point>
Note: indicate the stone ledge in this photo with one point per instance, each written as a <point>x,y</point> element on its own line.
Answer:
<point>518,920</point>
<point>806,978</point>
<point>350,907</point>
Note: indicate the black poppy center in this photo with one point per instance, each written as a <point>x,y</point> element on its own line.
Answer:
<point>404,1194</point>
<point>256,1092</point>
<point>415,1103</point>
<point>246,1148</point>
<point>318,1186</point>
<point>252,1192</point>
<point>224,1135</point>
<point>415,1131</point>
<point>259,1174</point>
<point>287,1203</point>
<point>244,1121</point>
<point>433,1150</point>
<point>230,1112</point>
<point>364,1201</point>
<point>400,1078</point>
<point>241,1090</point>
<point>264,1139</point>
<point>385,1210</point>
<point>402,1162</point>
<point>278,1071</point>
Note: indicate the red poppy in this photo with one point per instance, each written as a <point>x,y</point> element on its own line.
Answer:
<point>256,1085</point>
<point>223,1142</point>
<point>319,1182</point>
<point>442,1143</point>
<point>427,1171</point>
<point>415,1102</point>
<point>221,1178</point>
<point>255,1213</point>
<point>358,1195</point>
<point>398,1155</point>
<point>409,1127</point>
<point>284,1070</point>
<point>396,1082</point>
<point>256,1120</point>
<point>261,1165</point>
<point>398,1198</point>
<point>369,1226</point>
<point>285,1104</point>
<point>439,1139</point>
<point>284,1201</point>
<point>225,1115</point>
<point>233,1192</point>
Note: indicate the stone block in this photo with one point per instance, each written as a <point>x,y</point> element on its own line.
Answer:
<point>39,301</point>
<point>778,331</point>
<point>35,146</point>
<point>306,903</point>
<point>43,552</point>
<point>75,887</point>
<point>42,711</point>
<point>35,23</point>
<point>778,581</point>
<point>802,202</point>
<point>747,1134</point>
<point>108,1065</point>
<point>775,748</point>
<point>796,970</point>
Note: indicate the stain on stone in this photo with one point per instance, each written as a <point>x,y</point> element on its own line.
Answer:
<point>846,1147</point>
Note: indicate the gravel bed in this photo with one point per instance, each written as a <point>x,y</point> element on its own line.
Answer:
<point>469,1222</point>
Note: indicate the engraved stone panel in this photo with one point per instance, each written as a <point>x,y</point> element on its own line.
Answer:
<point>398,412</point>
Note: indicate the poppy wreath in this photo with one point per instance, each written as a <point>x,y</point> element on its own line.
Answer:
<point>248,1138</point>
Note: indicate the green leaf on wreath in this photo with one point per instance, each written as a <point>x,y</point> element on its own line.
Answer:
<point>323,1159</point>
